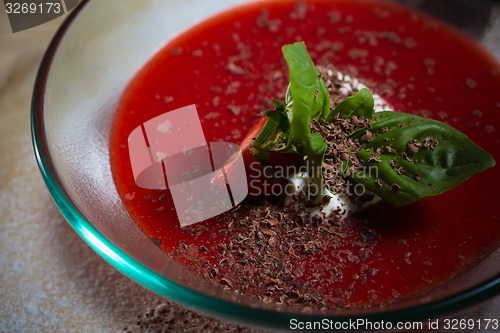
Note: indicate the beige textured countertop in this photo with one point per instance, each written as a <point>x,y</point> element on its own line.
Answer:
<point>51,281</point>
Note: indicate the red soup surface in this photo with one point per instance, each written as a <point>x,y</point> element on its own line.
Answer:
<point>231,66</point>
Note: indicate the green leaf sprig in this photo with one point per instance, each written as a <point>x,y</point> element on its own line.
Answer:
<point>413,157</point>
<point>361,104</point>
<point>418,157</point>
<point>288,128</point>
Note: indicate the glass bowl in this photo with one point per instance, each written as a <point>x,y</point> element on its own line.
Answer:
<point>89,63</point>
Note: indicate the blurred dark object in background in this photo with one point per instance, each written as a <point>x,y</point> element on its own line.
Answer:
<point>470,16</point>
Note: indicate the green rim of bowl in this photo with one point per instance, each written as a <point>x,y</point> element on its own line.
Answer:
<point>179,293</point>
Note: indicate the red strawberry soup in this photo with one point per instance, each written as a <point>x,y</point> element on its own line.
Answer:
<point>231,67</point>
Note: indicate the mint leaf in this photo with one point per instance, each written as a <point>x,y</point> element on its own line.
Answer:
<point>412,166</point>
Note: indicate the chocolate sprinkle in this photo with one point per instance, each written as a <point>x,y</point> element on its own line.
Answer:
<point>275,247</point>
<point>395,188</point>
<point>418,177</point>
<point>402,171</point>
<point>412,149</point>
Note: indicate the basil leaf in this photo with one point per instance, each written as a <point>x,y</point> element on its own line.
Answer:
<point>321,106</point>
<point>266,140</point>
<point>307,94</point>
<point>278,115</point>
<point>288,96</point>
<point>309,100</point>
<point>345,165</point>
<point>302,87</point>
<point>361,104</point>
<point>318,144</point>
<point>266,133</point>
<point>357,132</point>
<point>322,99</point>
<point>278,104</point>
<point>423,172</point>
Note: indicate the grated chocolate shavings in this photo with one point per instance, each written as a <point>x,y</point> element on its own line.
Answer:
<point>375,158</point>
<point>412,149</point>
<point>430,143</point>
<point>402,171</point>
<point>272,253</point>
<point>366,138</point>
<point>281,254</point>
<point>341,148</point>
<point>395,188</point>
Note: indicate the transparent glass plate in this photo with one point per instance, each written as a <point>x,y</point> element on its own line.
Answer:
<point>93,57</point>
